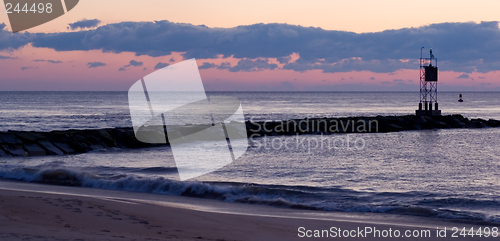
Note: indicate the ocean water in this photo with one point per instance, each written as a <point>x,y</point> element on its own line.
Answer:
<point>452,174</point>
<point>46,111</point>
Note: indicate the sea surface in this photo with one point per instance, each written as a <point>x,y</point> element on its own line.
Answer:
<point>47,111</point>
<point>452,174</point>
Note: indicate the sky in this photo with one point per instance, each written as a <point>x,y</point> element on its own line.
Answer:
<point>278,45</point>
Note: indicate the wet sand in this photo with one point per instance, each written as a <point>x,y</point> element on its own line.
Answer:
<point>42,212</point>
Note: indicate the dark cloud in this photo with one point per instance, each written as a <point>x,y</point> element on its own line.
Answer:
<point>161,65</point>
<point>397,80</point>
<point>225,65</point>
<point>252,65</point>
<point>387,86</point>
<point>95,64</point>
<point>28,67</point>
<point>9,40</point>
<point>464,47</point>
<point>247,65</point>
<point>49,61</point>
<point>84,24</point>
<point>352,64</point>
<point>6,57</point>
<point>284,60</point>
<point>372,78</point>
<point>463,76</point>
<point>131,63</point>
<point>135,63</point>
<point>207,65</point>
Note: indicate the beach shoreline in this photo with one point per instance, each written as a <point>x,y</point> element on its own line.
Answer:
<point>45,212</point>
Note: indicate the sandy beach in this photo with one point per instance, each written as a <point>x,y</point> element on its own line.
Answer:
<point>42,212</point>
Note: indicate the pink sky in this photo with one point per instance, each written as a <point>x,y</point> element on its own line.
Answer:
<point>74,74</point>
<point>22,73</point>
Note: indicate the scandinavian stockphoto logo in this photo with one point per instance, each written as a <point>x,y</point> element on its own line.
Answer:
<point>25,14</point>
<point>170,106</point>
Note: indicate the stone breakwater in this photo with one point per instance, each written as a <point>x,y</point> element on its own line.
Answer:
<point>21,143</point>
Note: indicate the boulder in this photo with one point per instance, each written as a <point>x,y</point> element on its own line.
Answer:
<point>477,123</point>
<point>34,150</point>
<point>96,141</point>
<point>29,136</point>
<point>15,150</point>
<point>51,149</point>
<point>442,125</point>
<point>80,144</point>
<point>65,147</point>
<point>493,123</point>
<point>394,127</point>
<point>6,138</point>
<point>97,147</point>
<point>107,138</point>
<point>455,122</point>
<point>3,154</point>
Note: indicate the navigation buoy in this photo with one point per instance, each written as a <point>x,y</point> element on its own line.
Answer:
<point>460,98</point>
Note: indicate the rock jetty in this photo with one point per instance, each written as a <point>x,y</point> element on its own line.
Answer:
<point>23,143</point>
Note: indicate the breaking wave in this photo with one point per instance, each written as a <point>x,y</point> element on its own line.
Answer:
<point>297,197</point>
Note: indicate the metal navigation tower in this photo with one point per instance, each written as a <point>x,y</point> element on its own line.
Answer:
<point>428,85</point>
